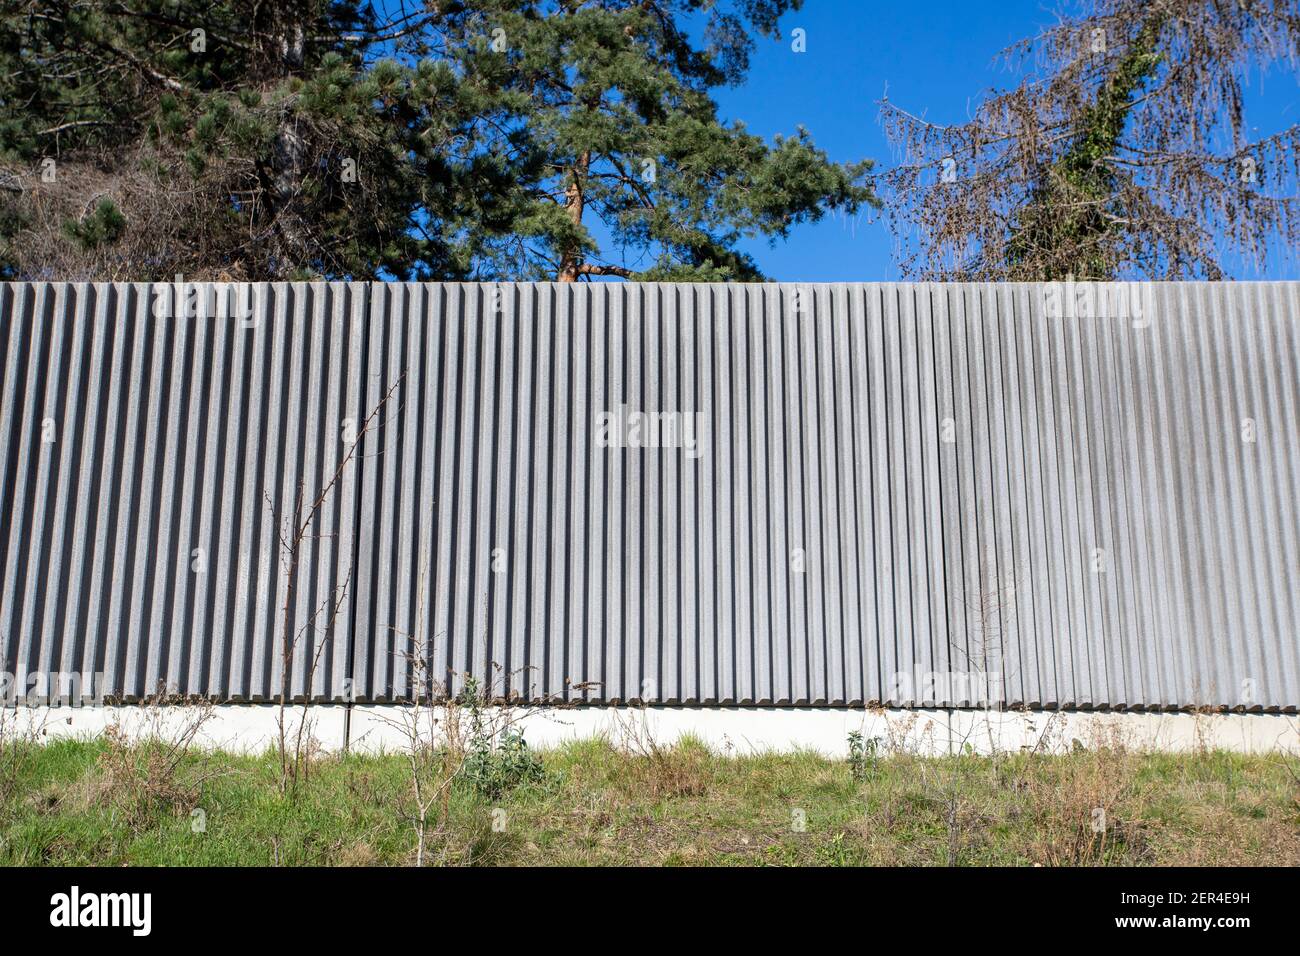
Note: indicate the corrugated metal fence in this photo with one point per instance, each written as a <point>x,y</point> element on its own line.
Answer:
<point>912,494</point>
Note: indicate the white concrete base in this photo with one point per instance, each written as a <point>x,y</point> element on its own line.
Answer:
<point>372,729</point>
<point>237,728</point>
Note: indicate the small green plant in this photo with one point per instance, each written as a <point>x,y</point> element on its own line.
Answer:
<point>864,756</point>
<point>836,852</point>
<point>494,771</point>
<point>103,226</point>
<point>495,764</point>
<point>602,805</point>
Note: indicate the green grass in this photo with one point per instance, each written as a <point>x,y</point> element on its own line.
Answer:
<point>63,803</point>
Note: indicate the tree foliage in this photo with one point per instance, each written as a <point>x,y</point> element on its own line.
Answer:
<point>226,133</point>
<point>264,139</point>
<point>1123,153</point>
<point>604,110</point>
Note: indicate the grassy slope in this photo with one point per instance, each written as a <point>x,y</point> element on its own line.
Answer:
<point>679,806</point>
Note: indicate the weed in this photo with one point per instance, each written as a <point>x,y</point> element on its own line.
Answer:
<point>495,763</point>
<point>123,800</point>
<point>21,730</point>
<point>863,757</point>
<point>140,768</point>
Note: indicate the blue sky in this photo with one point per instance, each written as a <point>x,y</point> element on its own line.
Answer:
<point>934,57</point>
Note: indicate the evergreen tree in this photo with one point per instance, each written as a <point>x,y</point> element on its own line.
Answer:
<point>603,113</point>
<point>265,139</point>
<point>249,139</point>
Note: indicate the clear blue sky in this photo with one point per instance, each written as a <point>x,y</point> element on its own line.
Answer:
<point>935,57</point>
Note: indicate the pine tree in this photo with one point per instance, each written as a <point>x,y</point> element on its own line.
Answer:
<point>603,112</point>
<point>265,139</point>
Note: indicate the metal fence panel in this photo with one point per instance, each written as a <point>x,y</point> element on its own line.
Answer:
<point>898,493</point>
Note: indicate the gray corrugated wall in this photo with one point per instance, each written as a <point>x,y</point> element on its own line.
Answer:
<point>170,437</point>
<point>895,478</point>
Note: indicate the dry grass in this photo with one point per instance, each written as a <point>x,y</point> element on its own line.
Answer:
<point>633,800</point>
<point>682,770</point>
<point>169,226</point>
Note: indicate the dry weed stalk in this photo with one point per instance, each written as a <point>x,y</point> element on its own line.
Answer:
<point>1074,804</point>
<point>432,718</point>
<point>433,745</point>
<point>1289,758</point>
<point>21,729</point>
<point>442,734</point>
<point>142,760</point>
<point>441,731</point>
<point>664,771</point>
<point>294,530</point>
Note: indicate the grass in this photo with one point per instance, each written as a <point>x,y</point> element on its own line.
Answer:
<point>76,802</point>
